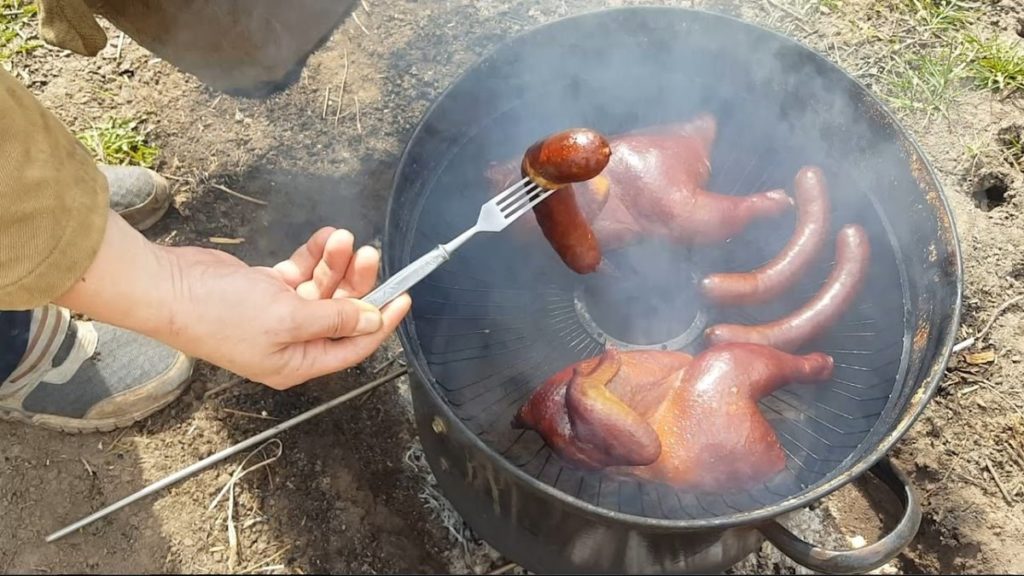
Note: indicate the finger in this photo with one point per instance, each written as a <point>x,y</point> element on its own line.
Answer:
<point>330,270</point>
<point>299,267</point>
<point>338,355</point>
<point>361,275</point>
<point>331,318</point>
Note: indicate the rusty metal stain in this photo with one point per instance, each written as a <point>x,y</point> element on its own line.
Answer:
<point>921,337</point>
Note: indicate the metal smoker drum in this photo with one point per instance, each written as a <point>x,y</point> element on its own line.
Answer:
<point>504,315</point>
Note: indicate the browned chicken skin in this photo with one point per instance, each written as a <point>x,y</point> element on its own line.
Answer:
<point>662,416</point>
<point>633,384</point>
<point>652,186</point>
<point>713,436</point>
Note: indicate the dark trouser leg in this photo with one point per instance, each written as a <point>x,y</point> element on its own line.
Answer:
<point>14,328</point>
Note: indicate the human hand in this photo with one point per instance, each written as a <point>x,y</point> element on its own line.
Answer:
<point>280,326</point>
<point>284,325</point>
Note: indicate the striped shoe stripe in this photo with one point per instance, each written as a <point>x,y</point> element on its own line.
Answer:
<point>53,324</point>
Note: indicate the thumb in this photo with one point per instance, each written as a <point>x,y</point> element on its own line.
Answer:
<point>334,318</point>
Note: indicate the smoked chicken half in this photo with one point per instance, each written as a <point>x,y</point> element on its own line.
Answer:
<point>691,423</point>
<point>652,186</point>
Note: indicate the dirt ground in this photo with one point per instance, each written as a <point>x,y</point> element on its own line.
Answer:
<point>348,492</point>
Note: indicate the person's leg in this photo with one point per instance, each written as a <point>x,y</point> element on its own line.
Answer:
<point>83,376</point>
<point>14,327</point>
<point>79,376</point>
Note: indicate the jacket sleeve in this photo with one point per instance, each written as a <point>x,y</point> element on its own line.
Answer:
<point>53,202</point>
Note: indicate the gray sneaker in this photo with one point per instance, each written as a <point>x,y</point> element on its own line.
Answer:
<point>139,195</point>
<point>78,376</point>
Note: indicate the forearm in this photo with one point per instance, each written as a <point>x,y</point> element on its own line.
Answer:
<point>131,283</point>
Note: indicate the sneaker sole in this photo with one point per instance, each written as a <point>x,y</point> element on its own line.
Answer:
<point>87,426</point>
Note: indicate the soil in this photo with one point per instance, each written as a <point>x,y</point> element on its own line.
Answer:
<point>348,491</point>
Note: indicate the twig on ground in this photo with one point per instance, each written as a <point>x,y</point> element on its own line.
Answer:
<point>234,381</point>
<point>249,414</point>
<point>385,365</point>
<point>365,6</point>
<point>118,439</point>
<point>992,387</point>
<point>965,344</point>
<point>327,101</point>
<point>948,472</point>
<point>359,123</point>
<point>356,18</point>
<point>239,195</point>
<point>971,480</point>
<point>222,240</point>
<point>999,483</point>
<point>262,564</point>
<point>229,488</point>
<point>120,43</point>
<point>87,467</point>
<point>506,568</point>
<point>341,94</point>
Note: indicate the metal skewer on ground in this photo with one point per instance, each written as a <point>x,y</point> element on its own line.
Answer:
<point>224,454</point>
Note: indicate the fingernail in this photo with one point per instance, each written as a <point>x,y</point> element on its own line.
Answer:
<point>369,319</point>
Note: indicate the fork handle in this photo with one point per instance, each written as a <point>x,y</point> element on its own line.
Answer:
<point>407,277</point>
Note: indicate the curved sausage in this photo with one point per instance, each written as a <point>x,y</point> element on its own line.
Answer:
<point>853,256</point>
<point>558,161</point>
<point>571,156</point>
<point>780,274</point>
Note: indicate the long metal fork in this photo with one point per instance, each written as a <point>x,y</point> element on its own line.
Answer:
<point>495,215</point>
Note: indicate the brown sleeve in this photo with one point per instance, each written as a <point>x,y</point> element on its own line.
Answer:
<point>53,202</point>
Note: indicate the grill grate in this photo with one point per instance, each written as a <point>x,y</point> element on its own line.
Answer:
<point>500,318</point>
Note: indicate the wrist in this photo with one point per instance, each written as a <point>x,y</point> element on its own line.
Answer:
<point>128,284</point>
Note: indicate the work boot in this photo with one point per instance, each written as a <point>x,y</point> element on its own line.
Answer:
<point>78,376</point>
<point>138,194</point>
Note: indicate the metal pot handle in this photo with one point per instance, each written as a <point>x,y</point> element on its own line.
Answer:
<point>863,559</point>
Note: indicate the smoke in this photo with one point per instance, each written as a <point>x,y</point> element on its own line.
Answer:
<point>500,318</point>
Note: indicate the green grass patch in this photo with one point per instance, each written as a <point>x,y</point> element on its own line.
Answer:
<point>120,141</point>
<point>926,83</point>
<point>17,28</point>
<point>997,64</point>
<point>941,16</point>
<point>831,5</point>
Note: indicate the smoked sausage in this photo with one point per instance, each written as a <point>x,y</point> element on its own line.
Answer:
<point>783,271</point>
<point>853,255</point>
<point>557,162</point>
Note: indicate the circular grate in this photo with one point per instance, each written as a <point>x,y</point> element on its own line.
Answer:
<point>504,314</point>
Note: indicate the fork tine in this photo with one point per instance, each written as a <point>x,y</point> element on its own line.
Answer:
<point>510,191</point>
<point>536,200</point>
<point>512,199</point>
<point>521,199</point>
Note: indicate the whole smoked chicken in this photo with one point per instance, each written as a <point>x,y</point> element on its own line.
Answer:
<point>691,423</point>
<point>630,380</point>
<point>652,186</point>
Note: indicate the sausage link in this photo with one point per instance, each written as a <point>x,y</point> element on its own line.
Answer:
<point>853,256</point>
<point>557,162</point>
<point>780,273</point>
<point>571,156</point>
